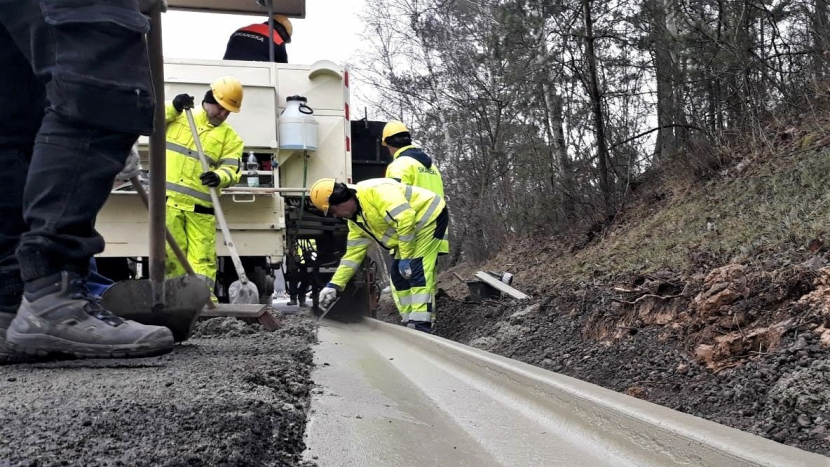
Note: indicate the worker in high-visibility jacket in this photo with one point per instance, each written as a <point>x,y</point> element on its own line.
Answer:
<point>410,165</point>
<point>190,213</point>
<point>252,43</point>
<point>411,220</point>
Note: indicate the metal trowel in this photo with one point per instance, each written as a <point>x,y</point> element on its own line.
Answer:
<point>325,309</point>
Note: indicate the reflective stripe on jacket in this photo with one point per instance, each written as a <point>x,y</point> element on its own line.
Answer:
<point>223,149</point>
<point>413,167</point>
<point>390,213</point>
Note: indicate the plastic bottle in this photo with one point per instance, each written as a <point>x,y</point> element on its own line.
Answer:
<point>253,165</point>
<point>298,127</point>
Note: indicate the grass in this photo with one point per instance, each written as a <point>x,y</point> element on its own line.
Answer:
<point>780,201</point>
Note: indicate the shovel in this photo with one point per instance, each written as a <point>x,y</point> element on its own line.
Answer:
<point>242,291</point>
<point>173,303</point>
<point>183,299</point>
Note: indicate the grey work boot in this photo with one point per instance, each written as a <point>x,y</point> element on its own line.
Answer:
<point>61,317</point>
<point>5,320</point>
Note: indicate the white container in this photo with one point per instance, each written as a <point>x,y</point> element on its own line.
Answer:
<point>298,127</point>
<point>253,166</point>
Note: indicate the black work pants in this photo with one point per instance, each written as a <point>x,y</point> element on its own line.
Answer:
<point>75,93</point>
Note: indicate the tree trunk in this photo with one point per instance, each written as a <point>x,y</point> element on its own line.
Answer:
<point>664,34</point>
<point>821,38</point>
<point>596,105</point>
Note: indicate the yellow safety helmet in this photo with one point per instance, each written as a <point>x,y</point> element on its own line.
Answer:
<point>391,129</point>
<point>227,91</point>
<point>282,19</point>
<point>320,193</point>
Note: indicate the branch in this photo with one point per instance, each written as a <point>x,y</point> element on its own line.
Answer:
<point>641,298</point>
<point>674,125</point>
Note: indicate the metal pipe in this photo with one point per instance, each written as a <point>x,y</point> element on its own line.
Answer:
<point>241,189</point>
<point>158,172</point>
<point>271,31</point>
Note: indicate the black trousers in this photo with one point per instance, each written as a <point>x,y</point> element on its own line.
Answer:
<point>75,93</point>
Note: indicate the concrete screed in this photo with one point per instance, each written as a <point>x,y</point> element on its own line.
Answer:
<point>232,395</point>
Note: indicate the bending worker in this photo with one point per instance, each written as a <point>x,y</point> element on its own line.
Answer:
<point>410,165</point>
<point>190,215</point>
<point>409,219</point>
<point>251,43</point>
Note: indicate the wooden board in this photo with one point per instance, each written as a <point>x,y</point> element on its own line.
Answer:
<point>293,8</point>
<point>234,311</point>
<point>501,286</point>
<point>257,313</point>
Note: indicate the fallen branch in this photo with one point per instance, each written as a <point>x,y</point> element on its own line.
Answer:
<point>650,295</point>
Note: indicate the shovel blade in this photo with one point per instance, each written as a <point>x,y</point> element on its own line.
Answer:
<point>185,297</point>
<point>239,293</point>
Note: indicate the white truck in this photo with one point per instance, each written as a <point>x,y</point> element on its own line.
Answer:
<point>268,226</point>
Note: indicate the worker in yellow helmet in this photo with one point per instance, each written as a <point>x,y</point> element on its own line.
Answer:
<point>411,220</point>
<point>251,43</point>
<point>410,165</point>
<point>190,214</point>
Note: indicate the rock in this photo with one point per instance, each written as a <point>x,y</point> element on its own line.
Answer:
<point>804,420</point>
<point>800,344</point>
<point>723,286</point>
<point>780,436</point>
<point>682,369</point>
<point>815,263</point>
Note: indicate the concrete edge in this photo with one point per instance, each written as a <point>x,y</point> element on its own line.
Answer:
<point>642,430</point>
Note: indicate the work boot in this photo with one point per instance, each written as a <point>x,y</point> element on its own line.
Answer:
<point>6,318</point>
<point>58,315</point>
<point>423,326</point>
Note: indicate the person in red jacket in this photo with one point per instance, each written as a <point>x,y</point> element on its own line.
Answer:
<point>251,43</point>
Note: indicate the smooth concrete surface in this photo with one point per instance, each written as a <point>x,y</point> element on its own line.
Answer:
<point>391,396</point>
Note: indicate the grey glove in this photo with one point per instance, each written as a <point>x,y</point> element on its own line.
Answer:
<point>132,168</point>
<point>327,295</point>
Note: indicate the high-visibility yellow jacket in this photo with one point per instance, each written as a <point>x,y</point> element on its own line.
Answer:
<point>411,166</point>
<point>223,149</point>
<point>390,213</point>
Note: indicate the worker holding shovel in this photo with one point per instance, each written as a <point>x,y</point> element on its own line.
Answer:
<point>76,92</point>
<point>410,219</point>
<point>190,210</point>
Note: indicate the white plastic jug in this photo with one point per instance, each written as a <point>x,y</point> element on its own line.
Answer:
<point>298,127</point>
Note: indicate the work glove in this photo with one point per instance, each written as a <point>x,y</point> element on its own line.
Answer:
<point>183,101</point>
<point>132,168</point>
<point>327,295</point>
<point>405,268</point>
<point>210,179</point>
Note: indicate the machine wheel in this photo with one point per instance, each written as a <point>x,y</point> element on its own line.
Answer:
<point>264,283</point>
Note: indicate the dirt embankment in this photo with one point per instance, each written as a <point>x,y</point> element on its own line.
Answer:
<point>233,395</point>
<point>745,345</point>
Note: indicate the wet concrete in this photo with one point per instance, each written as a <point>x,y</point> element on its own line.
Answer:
<point>237,396</point>
<point>379,402</point>
<point>389,396</point>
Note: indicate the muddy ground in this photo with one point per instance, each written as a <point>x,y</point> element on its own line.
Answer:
<point>746,347</point>
<point>233,395</point>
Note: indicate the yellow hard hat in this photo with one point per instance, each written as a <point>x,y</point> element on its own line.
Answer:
<point>320,193</point>
<point>391,129</point>
<point>282,19</point>
<point>227,91</point>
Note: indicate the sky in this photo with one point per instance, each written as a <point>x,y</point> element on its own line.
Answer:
<point>330,31</point>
